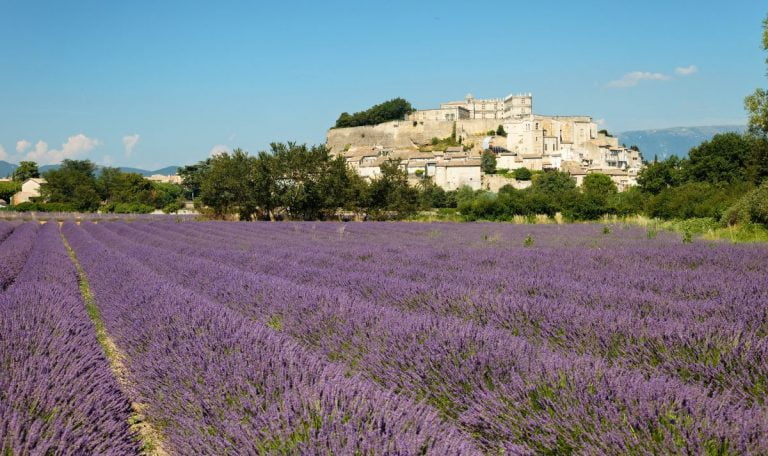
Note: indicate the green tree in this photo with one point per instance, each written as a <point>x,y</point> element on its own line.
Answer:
<point>394,109</point>
<point>659,175</point>
<point>757,103</point>
<point>599,185</point>
<point>25,170</point>
<point>488,162</point>
<point>720,160</point>
<point>192,177</point>
<point>8,189</point>
<point>227,186</point>
<point>73,183</point>
<point>390,194</point>
<point>500,131</point>
<point>553,183</point>
<point>522,174</point>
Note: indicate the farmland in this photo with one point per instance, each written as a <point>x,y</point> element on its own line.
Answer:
<point>379,338</point>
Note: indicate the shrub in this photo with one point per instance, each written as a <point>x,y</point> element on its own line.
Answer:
<point>128,208</point>
<point>522,174</point>
<point>750,208</point>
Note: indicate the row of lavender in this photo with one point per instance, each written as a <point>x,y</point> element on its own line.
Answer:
<point>557,296</point>
<point>478,327</point>
<point>214,382</point>
<point>57,394</point>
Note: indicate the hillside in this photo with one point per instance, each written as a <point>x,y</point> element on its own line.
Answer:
<point>7,168</point>
<point>673,141</point>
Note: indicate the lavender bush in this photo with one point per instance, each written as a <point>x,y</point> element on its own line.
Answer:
<point>583,343</point>
<point>57,394</point>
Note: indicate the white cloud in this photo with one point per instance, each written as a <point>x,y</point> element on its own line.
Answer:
<point>3,153</point>
<point>107,160</point>
<point>129,142</point>
<point>218,149</point>
<point>75,146</point>
<point>686,71</point>
<point>22,145</point>
<point>632,79</point>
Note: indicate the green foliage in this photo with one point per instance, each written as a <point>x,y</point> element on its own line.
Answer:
<point>694,199</point>
<point>127,208</point>
<point>390,195</point>
<point>605,132</point>
<point>8,189</point>
<point>26,170</point>
<point>553,183</point>
<point>528,242</point>
<point>432,196</point>
<point>522,174</point>
<point>500,131</point>
<point>74,183</point>
<point>659,175</point>
<point>757,103</point>
<point>44,207</point>
<point>488,162</point>
<point>226,188</point>
<point>441,144</point>
<point>629,202</point>
<point>750,208</point>
<point>599,185</point>
<point>296,181</point>
<point>394,109</point>
<point>721,160</point>
<point>192,177</point>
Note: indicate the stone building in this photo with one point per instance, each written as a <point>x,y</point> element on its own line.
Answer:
<point>29,189</point>
<point>571,144</point>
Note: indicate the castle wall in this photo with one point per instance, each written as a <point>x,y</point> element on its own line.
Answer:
<point>493,183</point>
<point>403,134</point>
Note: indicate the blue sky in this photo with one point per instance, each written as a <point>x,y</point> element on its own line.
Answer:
<point>157,83</point>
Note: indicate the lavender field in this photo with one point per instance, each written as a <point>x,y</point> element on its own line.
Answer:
<point>379,338</point>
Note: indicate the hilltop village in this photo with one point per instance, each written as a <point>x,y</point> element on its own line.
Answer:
<point>447,143</point>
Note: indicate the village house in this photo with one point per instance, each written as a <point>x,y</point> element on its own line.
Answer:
<point>29,189</point>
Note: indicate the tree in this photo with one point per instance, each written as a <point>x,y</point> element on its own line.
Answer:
<point>500,131</point>
<point>394,109</point>
<point>227,186</point>
<point>720,160</point>
<point>488,162</point>
<point>192,177</point>
<point>757,103</point>
<point>8,189</point>
<point>553,183</point>
<point>599,185</point>
<point>390,193</point>
<point>658,175</point>
<point>73,183</point>
<point>604,132</point>
<point>522,174</point>
<point>26,170</point>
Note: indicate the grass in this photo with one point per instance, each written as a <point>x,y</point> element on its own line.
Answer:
<point>703,228</point>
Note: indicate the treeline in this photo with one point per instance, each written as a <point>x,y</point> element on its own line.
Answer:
<point>300,182</point>
<point>76,186</point>
<point>550,193</point>
<point>394,109</point>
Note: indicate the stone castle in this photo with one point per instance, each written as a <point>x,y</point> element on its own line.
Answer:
<point>570,144</point>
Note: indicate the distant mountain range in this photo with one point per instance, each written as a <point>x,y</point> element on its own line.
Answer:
<point>678,141</point>
<point>7,168</point>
